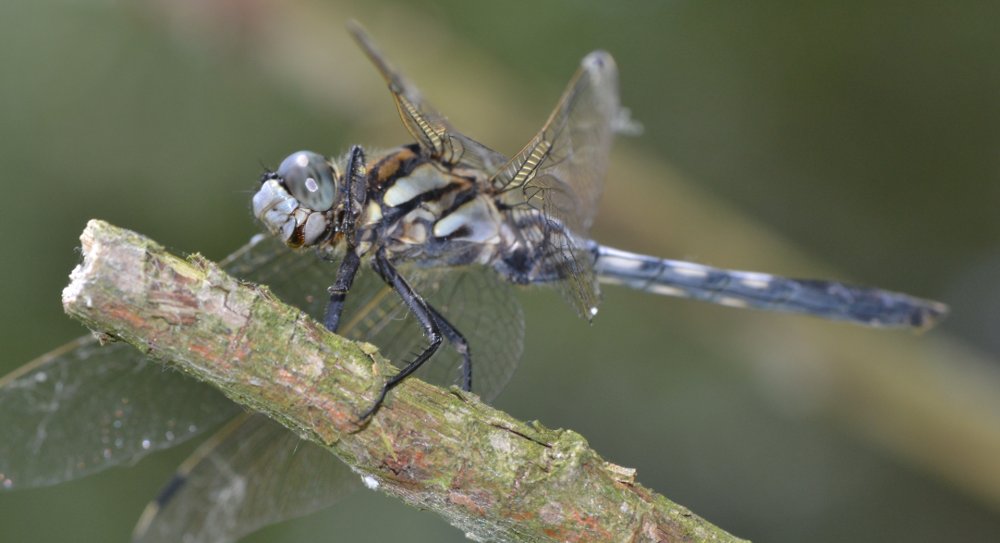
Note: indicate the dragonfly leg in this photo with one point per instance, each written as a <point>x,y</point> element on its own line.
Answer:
<point>356,180</point>
<point>459,343</point>
<point>426,316</point>
<point>338,292</point>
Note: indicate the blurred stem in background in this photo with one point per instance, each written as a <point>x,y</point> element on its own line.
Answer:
<point>928,399</point>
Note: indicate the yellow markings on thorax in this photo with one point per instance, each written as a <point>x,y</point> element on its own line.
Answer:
<point>385,168</point>
<point>423,178</point>
<point>413,233</point>
<point>373,214</point>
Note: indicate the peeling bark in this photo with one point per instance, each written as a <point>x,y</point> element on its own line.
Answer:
<point>494,477</point>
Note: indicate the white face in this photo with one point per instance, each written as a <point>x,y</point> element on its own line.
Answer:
<point>296,202</point>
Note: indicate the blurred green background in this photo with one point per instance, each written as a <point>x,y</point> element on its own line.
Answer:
<point>856,140</point>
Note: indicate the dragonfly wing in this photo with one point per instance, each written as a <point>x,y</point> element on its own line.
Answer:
<point>475,300</point>
<point>434,134</point>
<point>560,173</point>
<point>561,170</point>
<point>86,407</point>
<point>253,472</point>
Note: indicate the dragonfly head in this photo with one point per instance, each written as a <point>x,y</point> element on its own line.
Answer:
<point>297,202</point>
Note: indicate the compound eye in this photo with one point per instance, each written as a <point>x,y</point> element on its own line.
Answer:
<point>310,179</point>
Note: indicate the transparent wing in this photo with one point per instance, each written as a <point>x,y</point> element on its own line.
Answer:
<point>485,310</point>
<point>474,299</point>
<point>84,407</point>
<point>434,134</point>
<point>560,172</point>
<point>480,306</point>
<point>562,169</point>
<point>251,473</point>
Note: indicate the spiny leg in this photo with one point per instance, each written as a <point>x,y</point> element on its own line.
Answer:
<point>338,292</point>
<point>353,202</point>
<point>426,316</point>
<point>355,195</point>
<point>459,343</point>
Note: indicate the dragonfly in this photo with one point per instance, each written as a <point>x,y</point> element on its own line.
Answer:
<point>424,244</point>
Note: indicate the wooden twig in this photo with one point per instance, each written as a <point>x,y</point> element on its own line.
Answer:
<point>494,477</point>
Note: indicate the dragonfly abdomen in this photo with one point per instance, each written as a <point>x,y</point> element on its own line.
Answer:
<point>826,299</point>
